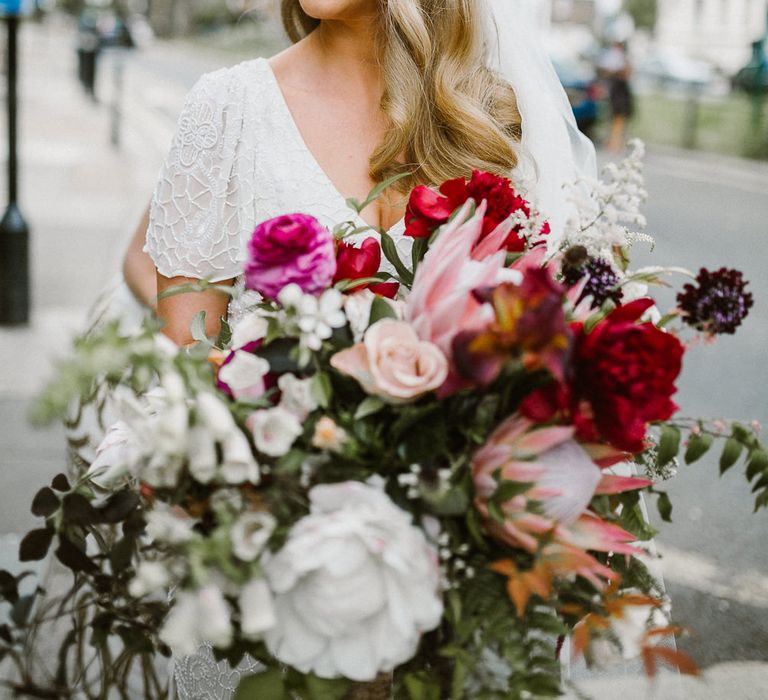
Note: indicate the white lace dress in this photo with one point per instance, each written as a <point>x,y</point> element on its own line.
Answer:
<point>237,159</point>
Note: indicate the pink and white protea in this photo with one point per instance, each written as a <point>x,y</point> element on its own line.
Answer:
<point>356,584</point>
<point>563,478</point>
<point>441,303</point>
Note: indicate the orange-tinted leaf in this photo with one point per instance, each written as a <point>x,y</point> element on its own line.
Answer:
<point>677,659</point>
<point>581,637</point>
<point>649,662</point>
<point>519,593</point>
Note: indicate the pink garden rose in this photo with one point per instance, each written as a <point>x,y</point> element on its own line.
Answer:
<point>294,248</point>
<point>393,363</point>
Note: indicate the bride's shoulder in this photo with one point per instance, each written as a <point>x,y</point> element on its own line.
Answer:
<point>231,85</point>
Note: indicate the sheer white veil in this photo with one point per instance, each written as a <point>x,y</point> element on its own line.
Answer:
<point>554,153</point>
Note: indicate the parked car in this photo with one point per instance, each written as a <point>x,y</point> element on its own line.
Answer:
<point>668,68</point>
<point>584,90</point>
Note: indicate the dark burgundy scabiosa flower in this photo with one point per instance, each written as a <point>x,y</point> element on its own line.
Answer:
<point>717,302</point>
<point>601,277</point>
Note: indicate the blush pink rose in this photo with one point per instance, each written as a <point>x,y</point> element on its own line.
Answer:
<point>393,363</point>
<point>290,249</point>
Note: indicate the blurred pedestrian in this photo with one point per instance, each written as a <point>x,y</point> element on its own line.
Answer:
<point>88,48</point>
<point>615,67</point>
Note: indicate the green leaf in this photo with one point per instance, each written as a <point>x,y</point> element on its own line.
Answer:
<point>509,489</point>
<point>758,463</point>
<point>377,191</point>
<point>45,503</point>
<point>421,687</point>
<point>267,685</point>
<point>665,507</point>
<point>326,688</point>
<point>632,520</point>
<point>390,253</point>
<point>698,446</point>
<point>21,610</point>
<point>61,483</point>
<point>322,389</point>
<point>119,506</point>
<point>78,510</point>
<point>380,309</point>
<point>74,558</point>
<point>369,406</point>
<point>419,250</point>
<point>197,329</point>
<point>669,445</point>
<point>731,453</point>
<point>35,545</point>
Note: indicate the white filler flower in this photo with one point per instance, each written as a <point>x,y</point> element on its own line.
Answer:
<point>355,586</point>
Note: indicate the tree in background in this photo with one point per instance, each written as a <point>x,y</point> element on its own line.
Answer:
<point>644,12</point>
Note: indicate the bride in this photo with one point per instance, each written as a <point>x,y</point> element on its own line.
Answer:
<point>369,89</point>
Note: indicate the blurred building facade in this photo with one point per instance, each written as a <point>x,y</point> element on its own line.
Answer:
<point>718,31</point>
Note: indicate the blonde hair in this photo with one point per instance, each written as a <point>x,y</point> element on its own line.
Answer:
<point>448,112</point>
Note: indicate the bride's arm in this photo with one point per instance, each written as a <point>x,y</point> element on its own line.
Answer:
<point>178,310</point>
<point>138,269</point>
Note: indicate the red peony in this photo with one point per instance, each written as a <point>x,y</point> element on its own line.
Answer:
<point>355,263</point>
<point>622,377</point>
<point>427,210</point>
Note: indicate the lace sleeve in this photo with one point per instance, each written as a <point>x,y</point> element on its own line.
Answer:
<point>195,217</point>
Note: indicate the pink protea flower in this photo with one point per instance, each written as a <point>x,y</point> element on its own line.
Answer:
<point>563,478</point>
<point>290,249</point>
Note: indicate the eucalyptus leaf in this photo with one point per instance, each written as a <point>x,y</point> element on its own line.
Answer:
<point>731,452</point>
<point>758,463</point>
<point>267,685</point>
<point>322,389</point>
<point>669,445</point>
<point>197,329</point>
<point>664,505</point>
<point>698,446</point>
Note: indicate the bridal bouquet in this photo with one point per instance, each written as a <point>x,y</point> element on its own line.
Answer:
<point>434,473</point>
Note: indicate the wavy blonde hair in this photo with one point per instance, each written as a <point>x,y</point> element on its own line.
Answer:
<point>448,112</point>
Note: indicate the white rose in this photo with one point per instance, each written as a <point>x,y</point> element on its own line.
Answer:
<point>244,375</point>
<point>150,576</point>
<point>274,430</point>
<point>249,329</point>
<point>215,414</point>
<point>257,613</point>
<point>238,463</point>
<point>167,525</point>
<point>250,534</point>
<point>355,585</point>
<point>115,456</point>
<point>202,455</point>
<point>297,395</point>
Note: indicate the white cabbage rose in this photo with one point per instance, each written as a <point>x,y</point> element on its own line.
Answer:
<point>274,430</point>
<point>356,585</point>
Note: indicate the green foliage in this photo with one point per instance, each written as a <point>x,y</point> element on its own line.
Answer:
<point>644,12</point>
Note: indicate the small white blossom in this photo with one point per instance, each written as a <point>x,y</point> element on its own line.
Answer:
<point>310,318</point>
<point>215,414</point>
<point>202,454</point>
<point>249,329</point>
<point>167,525</point>
<point>250,534</point>
<point>274,430</point>
<point>151,576</point>
<point>257,612</point>
<point>297,395</point>
<point>115,456</point>
<point>244,375</point>
<point>238,464</point>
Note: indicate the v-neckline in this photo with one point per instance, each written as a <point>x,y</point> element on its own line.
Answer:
<point>311,156</point>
